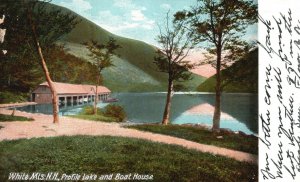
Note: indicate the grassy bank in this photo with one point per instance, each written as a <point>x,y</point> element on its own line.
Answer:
<point>110,113</point>
<point>229,140</point>
<point>97,117</point>
<point>12,97</point>
<point>8,118</point>
<point>106,155</point>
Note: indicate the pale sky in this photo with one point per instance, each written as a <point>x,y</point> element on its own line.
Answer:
<point>136,19</point>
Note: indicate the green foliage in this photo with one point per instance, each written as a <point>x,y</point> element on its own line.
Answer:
<point>218,25</point>
<point>58,23</point>
<point>209,86</point>
<point>178,87</point>
<point>60,63</point>
<point>242,76</point>
<point>12,97</point>
<point>230,140</point>
<point>110,113</point>
<point>134,70</point>
<point>20,74</point>
<point>177,70</point>
<point>22,70</point>
<point>89,110</point>
<point>106,155</point>
<point>25,74</point>
<point>98,117</point>
<point>176,43</point>
<point>101,55</point>
<point>8,118</point>
<point>116,111</point>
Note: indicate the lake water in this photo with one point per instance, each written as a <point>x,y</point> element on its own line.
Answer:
<point>239,111</point>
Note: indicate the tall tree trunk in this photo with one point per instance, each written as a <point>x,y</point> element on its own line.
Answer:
<point>96,95</point>
<point>217,112</point>
<point>45,69</point>
<point>166,116</point>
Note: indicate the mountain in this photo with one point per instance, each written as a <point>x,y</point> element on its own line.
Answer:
<point>134,70</point>
<point>242,76</point>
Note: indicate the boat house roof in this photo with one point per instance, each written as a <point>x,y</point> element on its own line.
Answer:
<point>67,88</point>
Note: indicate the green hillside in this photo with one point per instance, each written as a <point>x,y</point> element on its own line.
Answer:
<point>134,70</point>
<point>242,76</point>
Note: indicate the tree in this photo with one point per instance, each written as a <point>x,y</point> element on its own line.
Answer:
<point>220,24</point>
<point>44,66</point>
<point>102,58</point>
<point>19,67</point>
<point>60,63</point>
<point>175,43</point>
<point>61,18</point>
<point>29,37</point>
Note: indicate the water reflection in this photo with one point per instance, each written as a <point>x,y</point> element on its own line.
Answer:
<point>239,111</point>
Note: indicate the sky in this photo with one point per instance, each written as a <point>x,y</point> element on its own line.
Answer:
<point>136,19</point>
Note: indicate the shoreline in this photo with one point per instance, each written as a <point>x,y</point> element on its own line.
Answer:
<point>42,126</point>
<point>9,105</point>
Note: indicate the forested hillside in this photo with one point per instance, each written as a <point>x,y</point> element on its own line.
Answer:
<point>133,70</point>
<point>242,76</point>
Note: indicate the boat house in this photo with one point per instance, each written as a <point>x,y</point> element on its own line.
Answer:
<point>69,94</point>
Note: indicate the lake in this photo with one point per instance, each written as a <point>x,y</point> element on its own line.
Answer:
<point>239,111</point>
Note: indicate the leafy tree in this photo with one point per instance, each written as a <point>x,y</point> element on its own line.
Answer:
<point>60,63</point>
<point>29,37</point>
<point>175,44</point>
<point>44,66</point>
<point>102,58</point>
<point>17,64</point>
<point>219,26</point>
<point>244,71</point>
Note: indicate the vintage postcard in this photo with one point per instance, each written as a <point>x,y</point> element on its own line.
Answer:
<point>149,90</point>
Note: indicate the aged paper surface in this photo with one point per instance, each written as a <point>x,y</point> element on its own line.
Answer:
<point>279,90</point>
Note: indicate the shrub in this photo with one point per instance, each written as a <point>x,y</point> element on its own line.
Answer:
<point>6,118</point>
<point>10,97</point>
<point>113,110</point>
<point>110,111</point>
<point>89,110</point>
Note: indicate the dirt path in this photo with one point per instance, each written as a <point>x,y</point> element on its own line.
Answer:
<point>17,104</point>
<point>43,127</point>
